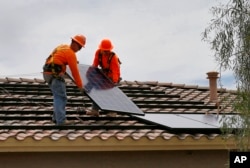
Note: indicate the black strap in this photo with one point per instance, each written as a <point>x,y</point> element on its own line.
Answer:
<point>107,69</point>
<point>52,67</point>
<point>49,68</point>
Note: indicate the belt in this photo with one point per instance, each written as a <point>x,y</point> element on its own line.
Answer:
<point>50,77</point>
<point>49,68</point>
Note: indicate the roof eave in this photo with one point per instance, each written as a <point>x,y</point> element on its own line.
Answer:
<point>113,144</point>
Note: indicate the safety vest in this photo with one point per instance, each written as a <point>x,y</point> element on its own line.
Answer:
<point>107,69</point>
<point>55,69</point>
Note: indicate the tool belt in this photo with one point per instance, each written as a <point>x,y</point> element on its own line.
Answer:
<point>55,73</point>
<point>48,68</point>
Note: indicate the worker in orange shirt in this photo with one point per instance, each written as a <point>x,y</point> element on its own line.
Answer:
<point>53,73</point>
<point>109,63</point>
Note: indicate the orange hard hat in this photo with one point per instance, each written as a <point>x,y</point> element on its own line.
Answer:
<point>106,45</point>
<point>80,39</point>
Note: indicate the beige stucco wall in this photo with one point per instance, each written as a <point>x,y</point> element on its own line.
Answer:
<point>148,159</point>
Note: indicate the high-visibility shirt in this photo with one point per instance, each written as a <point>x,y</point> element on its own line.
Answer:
<point>114,66</point>
<point>63,55</point>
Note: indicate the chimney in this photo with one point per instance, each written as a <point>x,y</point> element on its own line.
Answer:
<point>212,77</point>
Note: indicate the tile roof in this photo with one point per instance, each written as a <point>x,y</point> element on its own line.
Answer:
<point>26,106</point>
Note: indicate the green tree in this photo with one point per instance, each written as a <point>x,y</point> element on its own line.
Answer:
<point>229,37</point>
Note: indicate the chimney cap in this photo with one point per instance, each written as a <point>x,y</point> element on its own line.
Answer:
<point>212,74</point>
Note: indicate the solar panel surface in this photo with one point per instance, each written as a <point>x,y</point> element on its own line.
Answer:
<point>191,121</point>
<point>103,92</point>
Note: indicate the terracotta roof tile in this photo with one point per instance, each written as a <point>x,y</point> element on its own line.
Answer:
<point>164,84</point>
<point>40,135</point>
<point>91,135</point>
<point>178,85</point>
<point>168,136</point>
<point>26,104</point>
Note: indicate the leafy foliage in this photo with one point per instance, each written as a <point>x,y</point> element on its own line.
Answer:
<point>229,37</point>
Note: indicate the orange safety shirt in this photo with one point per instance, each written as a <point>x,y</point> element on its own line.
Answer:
<point>114,66</point>
<point>63,55</point>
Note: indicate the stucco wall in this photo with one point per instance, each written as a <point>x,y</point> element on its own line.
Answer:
<point>153,159</point>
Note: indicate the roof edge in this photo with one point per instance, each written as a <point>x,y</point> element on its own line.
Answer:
<point>113,144</point>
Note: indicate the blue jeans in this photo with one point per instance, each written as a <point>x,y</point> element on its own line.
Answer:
<point>58,88</point>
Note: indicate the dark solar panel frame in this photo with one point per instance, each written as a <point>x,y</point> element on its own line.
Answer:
<point>103,92</point>
<point>191,123</point>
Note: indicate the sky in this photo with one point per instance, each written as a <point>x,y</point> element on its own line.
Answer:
<point>156,40</point>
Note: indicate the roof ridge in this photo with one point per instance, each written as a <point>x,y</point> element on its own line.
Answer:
<point>20,80</point>
<point>128,82</point>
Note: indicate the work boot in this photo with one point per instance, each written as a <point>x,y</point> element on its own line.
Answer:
<point>67,122</point>
<point>93,112</point>
<point>111,114</point>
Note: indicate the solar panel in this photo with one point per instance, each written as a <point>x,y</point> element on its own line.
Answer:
<point>103,92</point>
<point>189,121</point>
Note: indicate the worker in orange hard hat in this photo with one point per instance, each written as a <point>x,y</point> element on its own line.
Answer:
<point>53,73</point>
<point>106,45</point>
<point>80,39</point>
<point>109,63</point>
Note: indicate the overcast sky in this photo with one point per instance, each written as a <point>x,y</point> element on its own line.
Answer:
<point>156,40</point>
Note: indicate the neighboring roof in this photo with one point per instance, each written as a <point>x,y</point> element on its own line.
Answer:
<point>26,106</point>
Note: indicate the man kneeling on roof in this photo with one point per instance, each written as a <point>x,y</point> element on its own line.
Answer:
<point>109,63</point>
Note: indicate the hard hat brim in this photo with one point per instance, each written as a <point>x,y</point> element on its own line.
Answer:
<point>78,42</point>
